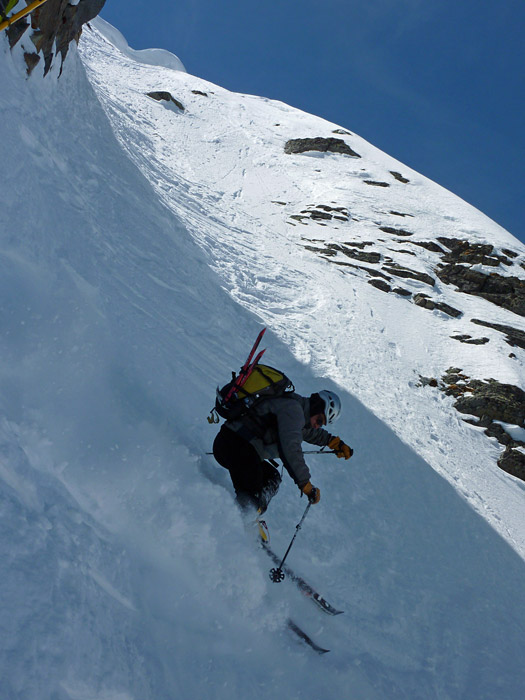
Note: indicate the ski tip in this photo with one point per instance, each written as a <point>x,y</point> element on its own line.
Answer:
<point>301,634</point>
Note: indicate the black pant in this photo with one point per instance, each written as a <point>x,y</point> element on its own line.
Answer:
<point>255,481</point>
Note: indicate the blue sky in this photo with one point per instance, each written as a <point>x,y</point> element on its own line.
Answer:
<point>438,84</point>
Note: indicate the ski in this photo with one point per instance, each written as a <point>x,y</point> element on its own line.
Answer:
<point>246,368</point>
<point>249,370</point>
<point>306,589</point>
<point>305,638</point>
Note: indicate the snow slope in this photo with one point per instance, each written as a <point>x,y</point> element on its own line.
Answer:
<point>140,253</point>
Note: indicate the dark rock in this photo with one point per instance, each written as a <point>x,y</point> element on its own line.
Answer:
<point>454,376</point>
<point>395,231</point>
<point>323,212</point>
<point>360,244</point>
<point>332,249</point>
<point>402,292</point>
<point>368,270</point>
<point>162,96</point>
<point>455,371</point>
<point>37,39</point>
<point>399,177</point>
<point>500,402</point>
<point>326,207</point>
<point>323,251</point>
<point>15,31</point>
<point>470,340</point>
<point>341,131</point>
<point>428,245</point>
<point>513,462</point>
<point>424,301</point>
<point>407,273</point>
<point>362,256</point>
<point>324,145</point>
<point>374,273</point>
<point>506,292</point>
<point>62,23</point>
<point>32,60</point>
<point>515,337</point>
<point>462,251</point>
<point>319,215</point>
<point>380,284</point>
<point>55,25</point>
<point>497,431</point>
<point>509,253</point>
<point>205,94</point>
<point>376,183</point>
<point>427,381</point>
<point>398,213</point>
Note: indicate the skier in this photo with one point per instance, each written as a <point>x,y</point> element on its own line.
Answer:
<point>274,428</point>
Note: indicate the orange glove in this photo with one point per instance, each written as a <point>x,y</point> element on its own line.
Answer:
<point>340,449</point>
<point>314,494</point>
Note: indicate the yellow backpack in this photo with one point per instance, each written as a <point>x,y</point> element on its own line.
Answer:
<point>262,383</point>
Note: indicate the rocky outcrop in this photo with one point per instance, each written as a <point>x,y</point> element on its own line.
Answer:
<point>402,292</point>
<point>407,273</point>
<point>54,26</point>
<point>324,145</point>
<point>491,399</point>
<point>428,245</point>
<point>513,462</point>
<point>400,213</point>
<point>425,302</point>
<point>515,337</point>
<point>332,249</point>
<point>506,292</point>
<point>462,251</point>
<point>395,231</point>
<point>469,340</point>
<point>491,403</point>
<point>399,177</point>
<point>162,96</point>
<point>322,213</point>
<point>380,284</point>
<point>31,61</point>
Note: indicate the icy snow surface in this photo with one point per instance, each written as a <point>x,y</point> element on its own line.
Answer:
<point>142,249</point>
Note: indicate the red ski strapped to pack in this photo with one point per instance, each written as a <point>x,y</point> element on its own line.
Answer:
<point>253,384</point>
<point>240,379</point>
<point>246,368</point>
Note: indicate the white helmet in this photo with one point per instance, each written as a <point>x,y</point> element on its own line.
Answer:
<point>332,404</point>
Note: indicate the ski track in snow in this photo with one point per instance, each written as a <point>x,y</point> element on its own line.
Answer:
<point>136,270</point>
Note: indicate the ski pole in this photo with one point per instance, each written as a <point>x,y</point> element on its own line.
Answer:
<point>277,575</point>
<point>306,452</point>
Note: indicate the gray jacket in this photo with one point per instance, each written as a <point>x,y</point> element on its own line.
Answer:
<point>277,427</point>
